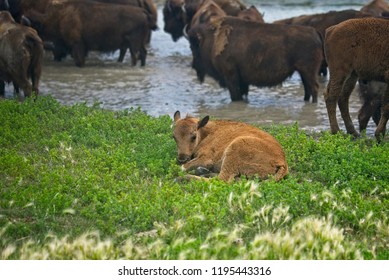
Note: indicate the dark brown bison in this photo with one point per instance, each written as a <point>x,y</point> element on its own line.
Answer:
<point>356,49</point>
<point>21,54</point>
<point>321,22</point>
<point>376,8</point>
<point>18,7</point>
<point>230,148</point>
<point>147,5</point>
<point>82,26</point>
<point>238,53</point>
<point>179,13</point>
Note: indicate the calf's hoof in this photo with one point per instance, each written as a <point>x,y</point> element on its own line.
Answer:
<point>201,171</point>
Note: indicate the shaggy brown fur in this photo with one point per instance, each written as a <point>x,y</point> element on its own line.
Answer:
<point>252,14</point>
<point>21,54</point>
<point>229,148</point>
<point>82,26</point>
<point>321,22</point>
<point>178,14</point>
<point>356,49</point>
<point>238,53</point>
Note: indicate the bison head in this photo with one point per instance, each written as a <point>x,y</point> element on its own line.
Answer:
<point>174,18</point>
<point>187,136</point>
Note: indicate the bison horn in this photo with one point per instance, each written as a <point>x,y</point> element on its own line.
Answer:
<point>25,21</point>
<point>185,32</point>
<point>183,8</point>
<point>169,6</point>
<point>6,5</point>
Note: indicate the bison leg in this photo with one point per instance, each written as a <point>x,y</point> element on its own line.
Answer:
<point>376,112</point>
<point>2,88</point>
<point>234,85</point>
<point>142,55</point>
<point>343,103</point>
<point>331,96</point>
<point>380,131</point>
<point>122,54</point>
<point>79,53</point>
<point>198,162</point>
<point>364,115</point>
<point>26,88</point>
<point>311,85</point>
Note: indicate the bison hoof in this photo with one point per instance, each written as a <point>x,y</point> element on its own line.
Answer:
<point>200,171</point>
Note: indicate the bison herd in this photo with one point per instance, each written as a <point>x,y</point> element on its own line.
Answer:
<point>230,42</point>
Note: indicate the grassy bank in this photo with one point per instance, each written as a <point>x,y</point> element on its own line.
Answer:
<point>86,183</point>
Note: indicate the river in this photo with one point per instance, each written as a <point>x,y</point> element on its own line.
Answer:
<point>167,83</point>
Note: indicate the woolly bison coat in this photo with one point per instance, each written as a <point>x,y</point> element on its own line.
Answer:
<point>79,27</point>
<point>21,55</point>
<point>357,48</point>
<point>238,53</point>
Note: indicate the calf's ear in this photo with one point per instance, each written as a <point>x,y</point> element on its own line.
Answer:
<point>177,116</point>
<point>203,122</point>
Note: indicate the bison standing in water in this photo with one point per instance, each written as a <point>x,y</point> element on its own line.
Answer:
<point>229,148</point>
<point>179,13</point>
<point>238,53</point>
<point>356,49</point>
<point>21,54</point>
<point>321,22</point>
<point>82,26</point>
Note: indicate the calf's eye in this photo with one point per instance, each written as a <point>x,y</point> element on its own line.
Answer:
<point>193,138</point>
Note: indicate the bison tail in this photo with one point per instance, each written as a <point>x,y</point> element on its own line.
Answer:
<point>35,47</point>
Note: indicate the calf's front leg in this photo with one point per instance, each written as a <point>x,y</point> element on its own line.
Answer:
<point>198,162</point>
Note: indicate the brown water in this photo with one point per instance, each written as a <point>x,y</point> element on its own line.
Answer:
<point>167,83</point>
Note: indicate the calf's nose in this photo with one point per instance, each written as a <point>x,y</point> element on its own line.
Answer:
<point>182,158</point>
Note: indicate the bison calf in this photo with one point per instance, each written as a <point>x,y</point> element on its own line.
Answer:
<point>356,49</point>
<point>21,54</point>
<point>228,148</point>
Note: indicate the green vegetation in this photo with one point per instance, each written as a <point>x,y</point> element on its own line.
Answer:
<point>81,182</point>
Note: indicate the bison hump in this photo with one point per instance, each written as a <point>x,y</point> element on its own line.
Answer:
<point>221,34</point>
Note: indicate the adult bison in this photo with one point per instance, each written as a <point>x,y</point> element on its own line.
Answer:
<point>82,26</point>
<point>322,21</point>
<point>150,8</point>
<point>376,8</point>
<point>238,53</point>
<point>18,7</point>
<point>21,54</point>
<point>230,148</point>
<point>179,13</point>
<point>356,49</point>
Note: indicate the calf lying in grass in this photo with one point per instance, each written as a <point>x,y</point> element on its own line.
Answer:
<point>229,148</point>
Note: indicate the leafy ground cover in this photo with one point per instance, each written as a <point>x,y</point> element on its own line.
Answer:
<point>79,182</point>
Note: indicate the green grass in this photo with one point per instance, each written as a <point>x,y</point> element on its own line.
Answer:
<point>81,182</point>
